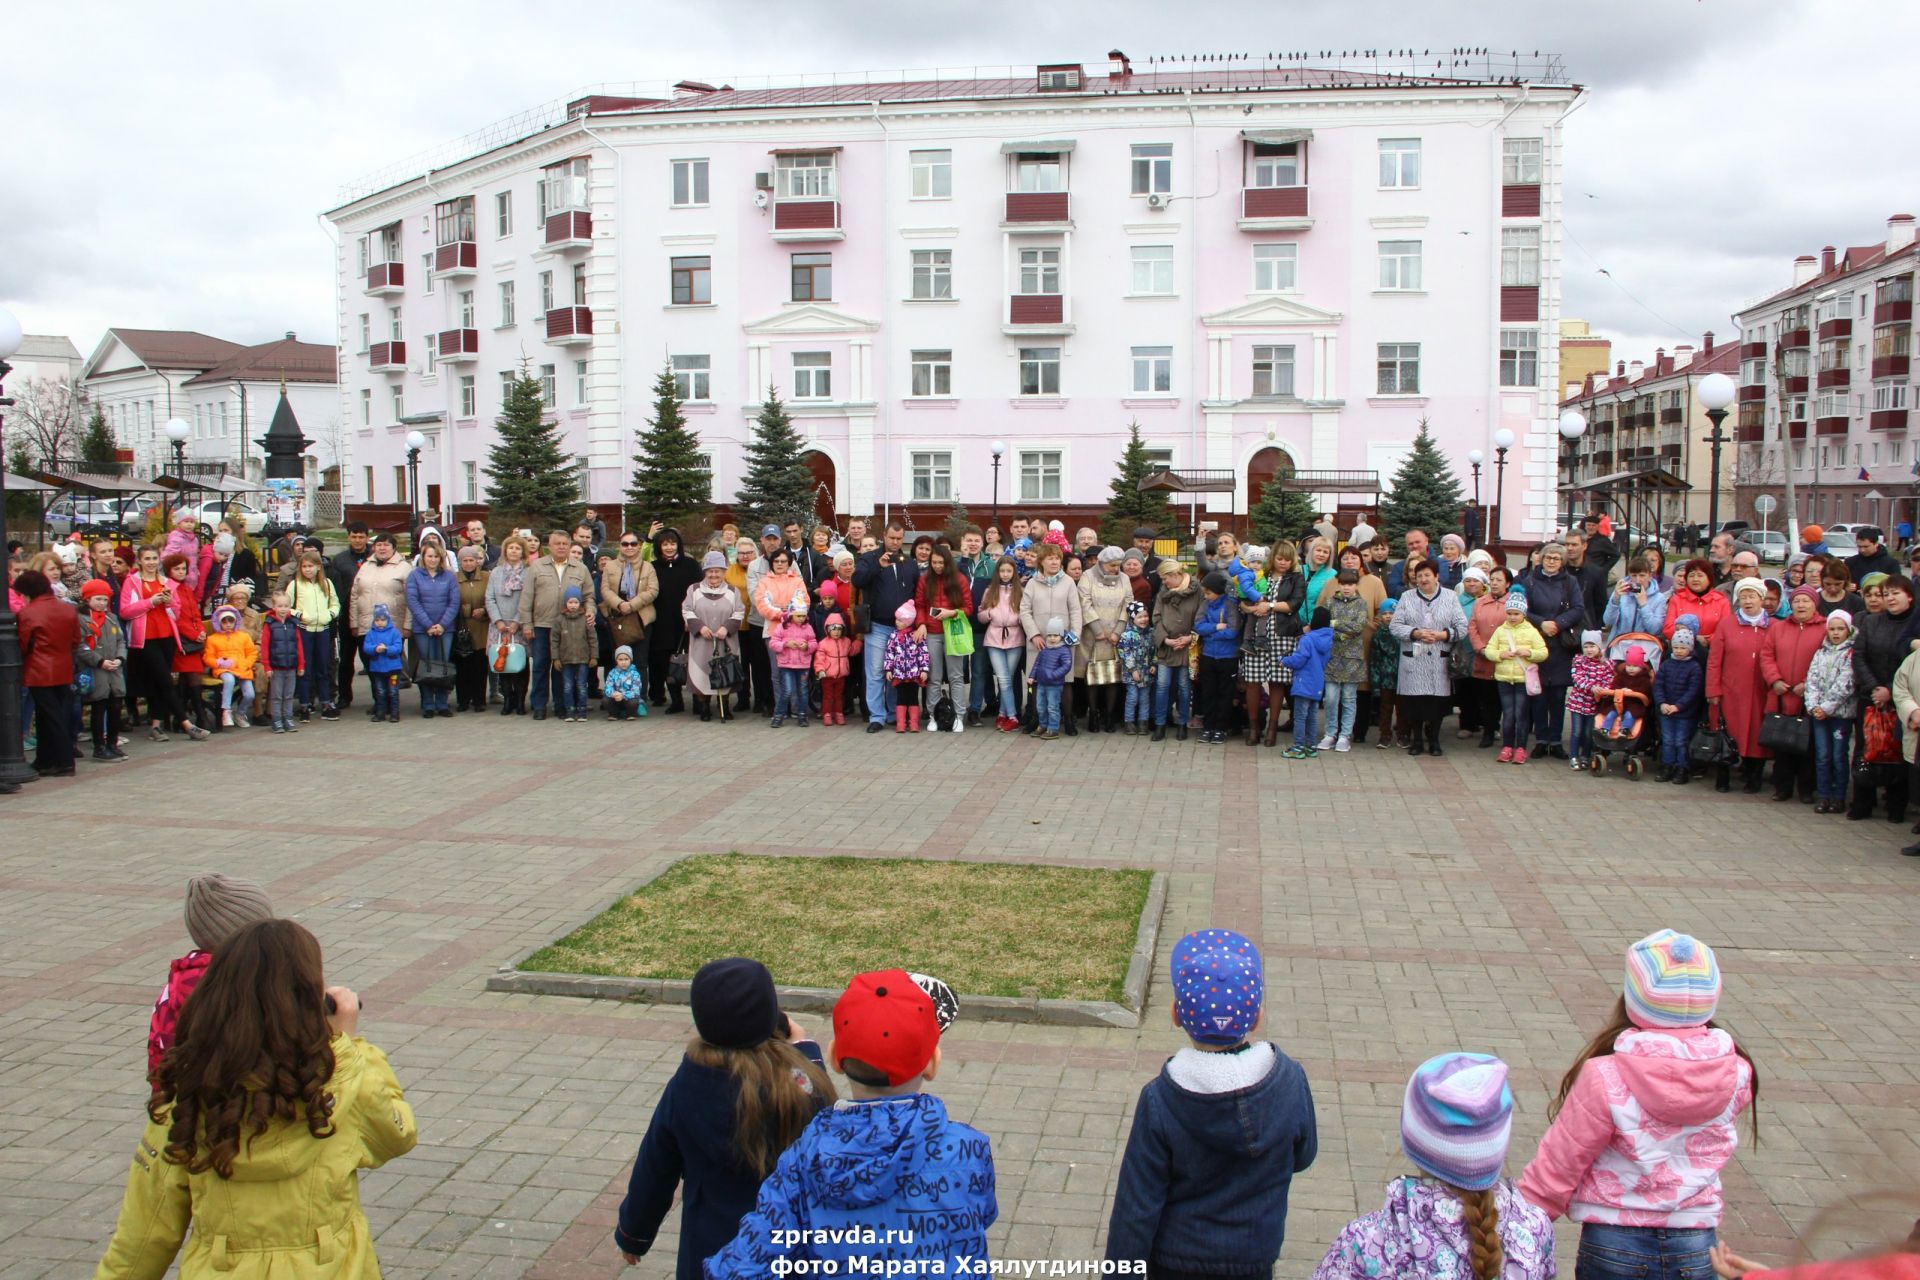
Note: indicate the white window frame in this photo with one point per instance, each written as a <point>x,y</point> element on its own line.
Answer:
<point>1889,395</point>
<point>580,383</point>
<point>1268,170</point>
<point>807,175</point>
<point>1039,271</point>
<point>1151,167</point>
<point>463,307</point>
<point>930,275</point>
<point>1520,256</point>
<point>506,298</point>
<point>549,386</point>
<point>1152,270</point>
<point>693,377</point>
<point>399,403</point>
<point>1153,371</point>
<point>1399,164</point>
<point>699,277</point>
<point>426,273</point>
<point>1520,358</point>
<point>366,406</point>
<point>1402,355</point>
<point>394,331</point>
<point>1521,161</point>
<point>502,214</point>
<point>366,330</point>
<point>1401,263</point>
<point>1046,369</point>
<point>470,476</point>
<point>1040,171</point>
<point>1279,369</point>
<point>813,375</point>
<point>930,175</point>
<point>1033,472</point>
<point>930,475</point>
<point>689,185</point>
<point>930,374</point>
<point>1276,261</point>
<point>546,292</point>
<point>469,396</point>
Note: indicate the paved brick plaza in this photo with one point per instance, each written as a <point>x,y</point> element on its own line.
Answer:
<point>1405,907</point>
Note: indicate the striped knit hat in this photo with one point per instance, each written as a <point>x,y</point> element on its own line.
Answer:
<point>1457,1118</point>
<point>1672,981</point>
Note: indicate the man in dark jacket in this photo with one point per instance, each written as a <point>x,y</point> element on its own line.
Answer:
<point>1143,539</point>
<point>341,571</point>
<point>1557,609</point>
<point>1874,556</point>
<point>886,577</point>
<point>1601,549</point>
<point>1592,575</point>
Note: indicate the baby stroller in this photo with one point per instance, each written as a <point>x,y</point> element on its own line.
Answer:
<point>1643,738</point>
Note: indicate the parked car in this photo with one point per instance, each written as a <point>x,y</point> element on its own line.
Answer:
<point>1840,536</point>
<point>71,513</point>
<point>1770,543</point>
<point>212,512</point>
<point>133,513</point>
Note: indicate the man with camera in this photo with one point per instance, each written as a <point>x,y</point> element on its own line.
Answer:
<point>887,576</point>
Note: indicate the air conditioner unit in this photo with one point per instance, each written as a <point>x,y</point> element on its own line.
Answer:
<point>1156,201</point>
<point>763,180</point>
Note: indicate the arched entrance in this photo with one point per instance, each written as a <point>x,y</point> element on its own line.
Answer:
<point>1263,468</point>
<point>825,485</point>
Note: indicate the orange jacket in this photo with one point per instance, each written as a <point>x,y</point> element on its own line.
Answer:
<point>235,644</point>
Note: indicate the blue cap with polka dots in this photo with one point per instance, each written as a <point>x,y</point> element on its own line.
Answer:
<point>1218,986</point>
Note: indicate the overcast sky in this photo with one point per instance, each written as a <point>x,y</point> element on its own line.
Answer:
<point>167,163</point>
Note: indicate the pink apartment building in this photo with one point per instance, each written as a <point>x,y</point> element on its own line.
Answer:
<point>1275,268</point>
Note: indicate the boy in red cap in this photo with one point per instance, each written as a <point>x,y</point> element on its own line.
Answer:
<point>885,1176</point>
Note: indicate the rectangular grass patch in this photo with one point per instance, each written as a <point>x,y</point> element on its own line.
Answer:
<point>989,929</point>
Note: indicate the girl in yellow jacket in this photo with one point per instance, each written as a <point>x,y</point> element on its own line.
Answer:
<point>1514,648</point>
<point>267,1177</point>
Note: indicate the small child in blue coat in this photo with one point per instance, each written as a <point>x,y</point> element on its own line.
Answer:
<point>1678,688</point>
<point>1048,675</point>
<point>623,700</point>
<point>382,647</point>
<point>1136,668</point>
<point>1308,662</point>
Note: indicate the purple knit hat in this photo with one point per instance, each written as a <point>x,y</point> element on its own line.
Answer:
<point>1457,1118</point>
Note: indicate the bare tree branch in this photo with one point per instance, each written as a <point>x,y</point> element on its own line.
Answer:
<point>51,412</point>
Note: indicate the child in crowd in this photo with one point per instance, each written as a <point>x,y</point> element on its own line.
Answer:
<point>1346,660</point>
<point>1383,673</point>
<point>1218,630</point>
<point>832,661</point>
<point>230,655</point>
<point>1461,1218</point>
<point>184,540</point>
<point>1136,668</point>
<point>103,651</point>
<point>1052,666</point>
<point>1219,1135</point>
<point>745,1090</point>
<point>1631,694</point>
<point>1644,1120</point>
<point>381,645</point>
<point>284,656</point>
<point>1515,645</point>
<point>1308,662</point>
<point>217,907</point>
<point>624,698</point>
<point>1592,677</point>
<point>574,648</point>
<point>906,663</point>
<point>1678,690</point>
<point>791,642</point>
<point>889,1160</point>
<point>1832,702</point>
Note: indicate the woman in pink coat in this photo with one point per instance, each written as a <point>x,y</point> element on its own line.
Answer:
<point>779,587</point>
<point>1736,682</point>
<point>1791,643</point>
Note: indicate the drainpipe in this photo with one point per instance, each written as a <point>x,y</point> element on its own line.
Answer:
<point>619,293</point>
<point>879,361</point>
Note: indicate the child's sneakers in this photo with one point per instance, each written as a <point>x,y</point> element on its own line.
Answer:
<point>240,720</point>
<point>1579,764</point>
<point>1506,755</point>
<point>1343,744</point>
<point>1519,755</point>
<point>1295,753</point>
<point>1326,743</point>
<point>226,718</point>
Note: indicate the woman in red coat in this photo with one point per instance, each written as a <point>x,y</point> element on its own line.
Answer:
<point>1792,641</point>
<point>49,633</point>
<point>1694,594</point>
<point>190,630</point>
<point>1736,683</point>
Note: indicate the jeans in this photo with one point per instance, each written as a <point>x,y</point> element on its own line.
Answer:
<point>789,692</point>
<point>280,695</point>
<point>540,667</point>
<point>879,688</point>
<point>1513,712</point>
<point>228,683</point>
<point>1173,688</point>
<point>1139,704</point>
<point>1676,735</point>
<point>435,648</point>
<point>315,684</point>
<point>1608,1252</point>
<point>1306,721</point>
<point>979,677</point>
<point>1006,674</point>
<point>1582,748</point>
<point>386,692</point>
<point>1047,703</point>
<point>570,689</point>
<point>1830,757</point>
<point>1343,698</point>
<point>1550,715</point>
<point>1622,720</point>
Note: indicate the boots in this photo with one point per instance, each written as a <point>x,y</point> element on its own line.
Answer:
<point>1066,712</point>
<point>1274,713</point>
<point>900,718</point>
<point>1114,707</point>
<point>913,719</point>
<point>1250,695</point>
<point>1094,709</point>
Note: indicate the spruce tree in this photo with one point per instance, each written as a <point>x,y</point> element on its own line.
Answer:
<point>1426,494</point>
<point>957,520</point>
<point>531,478</point>
<point>1281,514</point>
<point>671,483</point>
<point>777,487</point>
<point>98,449</point>
<point>1131,508</point>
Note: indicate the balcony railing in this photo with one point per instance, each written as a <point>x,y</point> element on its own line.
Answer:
<point>1673,414</point>
<point>1797,430</point>
<point>1834,426</point>
<point>457,346</point>
<point>384,278</point>
<point>807,220</point>
<point>1887,420</point>
<point>569,229</point>
<point>1796,384</point>
<point>1520,200</point>
<point>1756,392</point>
<point>456,258</point>
<point>1748,433</point>
<point>1275,209</point>
<point>1753,351</point>
<point>1838,327</point>
<point>1891,366</point>
<point>1893,312</point>
<point>1834,377</point>
<point>1793,338</point>
<point>567,326</point>
<point>1036,309</point>
<point>1039,206</point>
<point>388,356</point>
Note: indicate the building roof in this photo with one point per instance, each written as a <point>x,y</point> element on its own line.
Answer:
<point>1724,358</point>
<point>284,358</point>
<point>175,348</point>
<point>47,347</point>
<point>1846,262</point>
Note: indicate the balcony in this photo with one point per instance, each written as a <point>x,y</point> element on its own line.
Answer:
<point>1797,430</point>
<point>1038,210</point>
<point>387,357</point>
<point>1838,327</point>
<point>1796,384</point>
<point>1753,351</point>
<point>1888,420</point>
<point>1894,312</point>
<point>1671,414</point>
<point>1836,426</point>
<point>1793,338</point>
<point>1519,302</point>
<point>1275,209</point>
<point>1833,378</point>
<point>457,346</point>
<point>1748,433</point>
<point>1757,391</point>
<point>570,326</point>
<point>458,258</point>
<point>567,230</point>
<point>1891,366</point>
<point>385,279</point>
<point>807,220</point>
<point>1037,313</point>
<point>1520,200</point>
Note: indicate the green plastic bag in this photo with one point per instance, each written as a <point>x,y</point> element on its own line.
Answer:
<point>959,633</point>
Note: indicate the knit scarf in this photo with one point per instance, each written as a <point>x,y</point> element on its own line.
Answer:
<point>1049,580</point>
<point>1756,619</point>
<point>629,580</point>
<point>511,582</point>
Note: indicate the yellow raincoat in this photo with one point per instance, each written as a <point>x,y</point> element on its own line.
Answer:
<point>291,1209</point>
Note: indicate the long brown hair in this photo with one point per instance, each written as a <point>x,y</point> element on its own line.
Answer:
<point>1602,1045</point>
<point>771,1104</point>
<point>252,1046</point>
<point>997,590</point>
<point>1480,1215</point>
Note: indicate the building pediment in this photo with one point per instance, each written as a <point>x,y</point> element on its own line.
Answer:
<point>810,318</point>
<point>1271,312</point>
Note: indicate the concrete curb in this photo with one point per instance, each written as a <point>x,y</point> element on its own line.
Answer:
<point>1060,1013</point>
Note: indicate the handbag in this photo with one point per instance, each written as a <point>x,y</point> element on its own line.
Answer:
<point>677,669</point>
<point>509,658</point>
<point>1711,746</point>
<point>959,636</point>
<point>433,673</point>
<point>1533,680</point>
<point>1786,735</point>
<point>1460,661</point>
<point>723,668</point>
<point>626,628</point>
<point>462,644</point>
<point>1880,736</point>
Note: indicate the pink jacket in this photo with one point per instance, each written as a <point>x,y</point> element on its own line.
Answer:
<point>189,546</point>
<point>182,977</point>
<point>1002,621</point>
<point>1642,1137</point>
<point>783,634</point>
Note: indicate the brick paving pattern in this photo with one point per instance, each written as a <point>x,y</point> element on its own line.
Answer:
<point>1405,907</point>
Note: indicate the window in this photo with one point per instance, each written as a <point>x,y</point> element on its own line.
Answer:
<point>1159,457</point>
<point>580,383</point>
<point>932,273</point>
<point>399,404</point>
<point>1520,358</point>
<point>1039,271</point>
<point>1152,370</point>
<point>1153,268</point>
<point>933,373</point>
<point>1799,362</point>
<point>1275,267</point>
<point>506,304</point>
<point>691,377</point>
<point>1520,256</point>
<point>1889,395</point>
<point>1797,409</point>
<point>1893,289</point>
<point>1833,354</point>
<point>548,391</point>
<point>393,323</point>
<point>432,344</point>
<point>1399,162</point>
<point>453,221</point>
<point>1892,340</point>
<point>579,284</point>
<point>1273,371</point>
<point>930,175</point>
<point>1753,372</point>
<point>1830,404</point>
<point>469,397</point>
<point>1152,168</point>
<point>1039,475</point>
<point>426,273</point>
<point>366,406</point>
<point>546,292</point>
<point>812,375</point>
<point>1276,164</point>
<point>692,281</point>
<point>399,484</point>
<point>503,214</point>
<point>812,277</point>
<point>366,331</point>
<point>470,476</point>
<point>1833,307</point>
<point>369,481</point>
<point>1399,369</point>
<point>581,476</point>
<point>364,254</point>
<point>1054,78</point>
<point>387,240</point>
<point>1038,171</point>
<point>465,300</point>
<point>507,380</point>
<point>807,176</point>
<point>563,186</point>
<point>1400,264</point>
<point>1039,371</point>
<point>932,476</point>
<point>1520,162</point>
<point>689,183</point>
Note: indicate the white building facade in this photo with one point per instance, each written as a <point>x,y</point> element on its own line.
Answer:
<point>1271,271</point>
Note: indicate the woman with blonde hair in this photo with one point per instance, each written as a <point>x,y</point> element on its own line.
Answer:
<point>506,586</point>
<point>316,606</point>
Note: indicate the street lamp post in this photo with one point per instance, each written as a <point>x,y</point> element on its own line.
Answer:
<point>1573,425</point>
<point>998,448</point>
<point>1474,459</point>
<point>416,441</point>
<point>178,429</point>
<point>1716,392</point>
<point>14,768</point>
<point>1502,441</point>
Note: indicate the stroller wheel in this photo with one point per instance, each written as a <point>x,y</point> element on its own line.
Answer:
<point>1633,767</point>
<point>1597,765</point>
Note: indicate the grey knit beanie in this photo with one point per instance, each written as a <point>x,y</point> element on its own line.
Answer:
<point>218,906</point>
